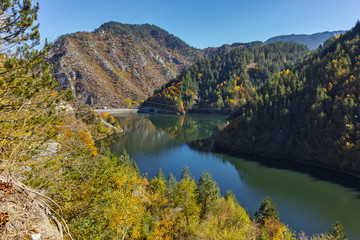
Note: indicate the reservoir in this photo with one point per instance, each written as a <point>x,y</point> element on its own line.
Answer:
<point>307,198</point>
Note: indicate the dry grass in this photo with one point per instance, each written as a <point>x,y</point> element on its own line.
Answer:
<point>24,214</point>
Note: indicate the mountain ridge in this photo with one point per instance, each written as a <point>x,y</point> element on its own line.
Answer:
<point>111,64</point>
<point>313,41</point>
<point>118,62</point>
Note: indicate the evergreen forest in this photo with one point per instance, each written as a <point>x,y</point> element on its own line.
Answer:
<point>309,112</point>
<point>225,80</point>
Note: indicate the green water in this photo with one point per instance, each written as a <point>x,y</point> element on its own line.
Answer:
<point>307,198</point>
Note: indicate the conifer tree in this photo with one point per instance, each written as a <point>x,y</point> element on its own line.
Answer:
<point>29,103</point>
<point>171,185</point>
<point>161,175</point>
<point>17,19</point>
<point>337,232</point>
<point>267,210</point>
<point>207,192</point>
<point>185,172</point>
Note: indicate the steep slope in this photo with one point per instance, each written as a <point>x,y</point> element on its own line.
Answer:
<point>118,61</point>
<point>312,41</point>
<point>224,81</point>
<point>309,113</point>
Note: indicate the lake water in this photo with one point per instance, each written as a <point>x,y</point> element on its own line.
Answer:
<point>307,198</point>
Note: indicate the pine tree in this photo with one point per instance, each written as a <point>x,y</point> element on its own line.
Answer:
<point>185,172</point>
<point>29,103</point>
<point>17,19</point>
<point>337,232</point>
<point>267,210</point>
<point>171,185</point>
<point>207,192</point>
<point>161,175</point>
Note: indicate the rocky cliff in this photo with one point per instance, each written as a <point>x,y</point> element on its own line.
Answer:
<point>118,61</point>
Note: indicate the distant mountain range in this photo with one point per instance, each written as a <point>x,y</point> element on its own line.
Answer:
<point>126,61</point>
<point>313,41</point>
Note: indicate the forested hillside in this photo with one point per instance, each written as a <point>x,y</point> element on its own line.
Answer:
<point>227,79</point>
<point>309,113</point>
<point>208,52</point>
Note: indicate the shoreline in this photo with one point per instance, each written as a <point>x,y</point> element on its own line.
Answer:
<point>303,162</point>
<point>117,110</point>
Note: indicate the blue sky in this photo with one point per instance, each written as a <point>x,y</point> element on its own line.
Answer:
<point>202,23</point>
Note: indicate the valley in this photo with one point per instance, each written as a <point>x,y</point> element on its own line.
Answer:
<point>260,140</point>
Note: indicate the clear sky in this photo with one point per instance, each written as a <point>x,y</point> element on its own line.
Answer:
<point>202,23</point>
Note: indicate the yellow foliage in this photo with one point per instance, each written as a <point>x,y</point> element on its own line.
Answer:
<point>127,102</point>
<point>349,145</point>
<point>181,109</point>
<point>164,229</point>
<point>89,142</point>
<point>352,78</point>
<point>112,119</point>
<point>232,103</point>
<point>227,220</point>
<point>330,86</point>
<point>185,198</point>
<point>158,198</point>
<point>105,115</point>
<point>274,228</point>
<point>126,203</point>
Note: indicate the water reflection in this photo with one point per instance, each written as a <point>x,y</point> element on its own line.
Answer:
<point>141,134</point>
<point>188,128</point>
<point>305,196</point>
<point>351,182</point>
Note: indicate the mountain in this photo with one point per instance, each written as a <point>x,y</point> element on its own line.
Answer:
<point>309,113</point>
<point>208,52</point>
<point>313,41</point>
<point>121,63</point>
<point>224,80</point>
<point>118,61</point>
